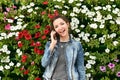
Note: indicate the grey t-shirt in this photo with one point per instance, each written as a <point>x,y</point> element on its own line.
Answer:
<point>60,69</point>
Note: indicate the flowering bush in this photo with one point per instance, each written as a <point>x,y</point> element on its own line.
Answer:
<point>25,29</point>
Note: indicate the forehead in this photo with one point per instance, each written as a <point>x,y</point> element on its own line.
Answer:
<point>57,21</point>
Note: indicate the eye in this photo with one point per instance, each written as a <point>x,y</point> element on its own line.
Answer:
<point>62,23</point>
<point>55,26</point>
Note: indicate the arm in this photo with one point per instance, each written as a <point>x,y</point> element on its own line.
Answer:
<point>80,63</point>
<point>47,55</point>
<point>49,50</point>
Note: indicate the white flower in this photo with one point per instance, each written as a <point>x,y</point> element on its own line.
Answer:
<point>109,16</point>
<point>72,14</point>
<point>87,34</point>
<point>75,20</point>
<point>77,39</point>
<point>59,0</point>
<point>57,6</point>
<point>21,16</point>
<point>94,35</point>
<point>81,0</point>
<point>88,75</point>
<point>104,8</point>
<point>116,10</point>
<point>18,51</point>
<point>76,10</point>
<point>7,67</point>
<point>87,54</point>
<point>83,11</point>
<point>30,10</point>
<point>112,22</point>
<point>78,4</point>
<point>18,64</point>
<point>70,1</point>
<point>66,7</point>
<point>8,52</point>
<point>102,26</point>
<point>112,35</point>
<point>77,30</point>
<point>19,19</point>
<point>118,14</point>
<point>23,7</point>
<point>1,38</point>
<point>97,8</point>
<point>36,8</point>
<point>5,59</point>
<point>94,25</point>
<point>28,6</point>
<point>91,61</point>
<point>11,64</point>
<point>115,43</point>
<point>3,34</point>
<point>82,26</point>
<point>93,57</point>
<point>102,40</point>
<point>1,68</point>
<point>64,12</point>
<point>10,20</point>
<point>86,39</point>
<point>111,0</point>
<point>32,4</point>
<point>16,17</point>
<point>88,66</point>
<point>19,23</point>
<point>118,20</point>
<point>107,50</point>
<point>81,34</point>
<point>90,14</point>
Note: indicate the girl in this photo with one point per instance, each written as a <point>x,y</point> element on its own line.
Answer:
<point>63,57</point>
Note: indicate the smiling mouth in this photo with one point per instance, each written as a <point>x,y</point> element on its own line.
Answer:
<point>62,31</point>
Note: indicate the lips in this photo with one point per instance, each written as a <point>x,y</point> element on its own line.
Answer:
<point>62,31</point>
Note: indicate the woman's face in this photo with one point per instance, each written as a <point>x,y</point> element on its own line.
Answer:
<point>61,27</point>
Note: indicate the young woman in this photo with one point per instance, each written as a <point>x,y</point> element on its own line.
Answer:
<point>63,57</point>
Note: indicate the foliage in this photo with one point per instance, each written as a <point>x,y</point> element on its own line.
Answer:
<point>25,28</point>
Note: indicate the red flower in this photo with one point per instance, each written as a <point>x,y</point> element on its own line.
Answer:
<point>20,35</point>
<point>38,44</point>
<point>37,26</point>
<point>45,2</point>
<point>26,72</point>
<point>22,68</point>
<point>28,37</point>
<point>24,58</point>
<point>32,43</point>
<point>43,13</point>
<point>44,37</point>
<point>56,13</point>
<point>40,52</point>
<point>20,44</point>
<point>37,78</point>
<point>36,49</point>
<point>47,27</point>
<point>50,16</point>
<point>37,35</point>
<point>46,31</point>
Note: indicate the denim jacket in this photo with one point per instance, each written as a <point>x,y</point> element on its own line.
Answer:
<point>74,58</point>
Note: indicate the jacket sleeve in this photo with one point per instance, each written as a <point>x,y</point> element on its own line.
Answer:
<point>46,59</point>
<point>80,63</point>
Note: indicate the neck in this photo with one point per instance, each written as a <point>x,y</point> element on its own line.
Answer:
<point>64,39</point>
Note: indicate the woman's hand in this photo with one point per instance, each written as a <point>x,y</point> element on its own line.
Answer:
<point>53,40</point>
